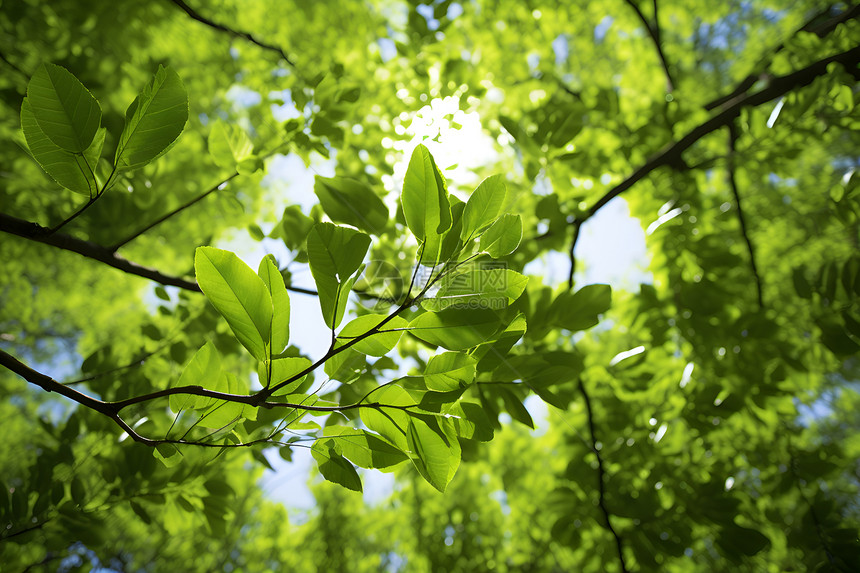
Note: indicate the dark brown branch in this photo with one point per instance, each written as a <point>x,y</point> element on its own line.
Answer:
<point>812,25</point>
<point>654,32</point>
<point>601,479</point>
<point>112,409</point>
<point>235,33</point>
<point>48,384</point>
<point>175,211</point>
<point>779,86</point>
<point>577,226</point>
<point>672,154</point>
<point>730,168</point>
<point>90,250</point>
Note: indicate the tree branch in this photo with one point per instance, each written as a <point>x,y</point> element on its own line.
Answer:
<point>235,33</point>
<point>672,154</point>
<point>812,26</point>
<point>730,168</point>
<point>577,225</point>
<point>654,32</point>
<point>169,214</point>
<point>90,250</point>
<point>601,479</point>
<point>112,409</point>
<point>778,87</point>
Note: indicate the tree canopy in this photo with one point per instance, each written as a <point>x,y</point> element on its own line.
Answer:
<point>234,231</point>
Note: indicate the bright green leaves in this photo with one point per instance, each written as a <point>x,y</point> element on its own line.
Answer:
<point>430,440</point>
<point>60,119</point>
<point>274,282</point>
<point>255,305</point>
<point>435,448</point>
<point>449,371</point>
<point>231,147</point>
<point>478,288</point>
<point>360,447</point>
<point>65,111</point>
<point>376,344</point>
<point>351,202</point>
<point>425,203</point>
<point>580,310</point>
<point>335,255</point>
<point>239,295</point>
<point>282,369</point>
<point>364,449</point>
<point>203,370</point>
<point>61,123</point>
<point>334,467</point>
<point>483,207</point>
<point>503,236</point>
<point>75,172</point>
<point>153,121</point>
<point>455,328</point>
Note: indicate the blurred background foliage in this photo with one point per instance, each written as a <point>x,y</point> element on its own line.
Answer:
<point>725,438</point>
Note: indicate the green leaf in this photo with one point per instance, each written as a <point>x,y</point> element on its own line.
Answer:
<point>282,369</point>
<point>334,467</point>
<point>346,365</point>
<point>239,295</point>
<point>204,370</point>
<point>293,228</point>
<point>168,454</point>
<point>449,370</point>
<point>503,237</point>
<point>153,121</point>
<point>470,421</point>
<point>74,172</point>
<point>515,407</point>
<point>580,310</point>
<point>456,329</point>
<point>222,413</point>
<point>451,242</point>
<point>274,281</point>
<point>364,449</point>
<point>478,288</point>
<point>378,344</point>
<point>67,113</point>
<point>425,203</point>
<point>390,423</point>
<point>484,206</point>
<point>229,145</point>
<point>335,255</point>
<point>351,202</point>
<point>742,540</point>
<point>436,455</point>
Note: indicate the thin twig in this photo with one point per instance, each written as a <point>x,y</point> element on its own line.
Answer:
<point>654,31</point>
<point>671,155</point>
<point>730,169</point>
<point>601,479</point>
<point>235,33</point>
<point>577,226</point>
<point>112,409</point>
<point>73,216</point>
<point>175,211</point>
<point>90,250</point>
<point>811,25</point>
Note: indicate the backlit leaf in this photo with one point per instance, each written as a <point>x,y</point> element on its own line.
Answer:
<point>153,121</point>
<point>64,109</point>
<point>239,295</point>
